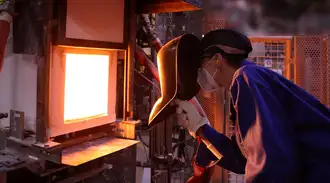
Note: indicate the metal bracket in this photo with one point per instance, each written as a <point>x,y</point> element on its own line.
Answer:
<point>17,124</point>
<point>126,129</point>
<point>47,145</point>
<point>3,136</point>
<point>11,162</point>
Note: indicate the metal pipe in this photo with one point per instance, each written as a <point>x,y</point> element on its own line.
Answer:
<point>5,20</point>
<point>151,34</point>
<point>143,59</point>
<point>43,79</point>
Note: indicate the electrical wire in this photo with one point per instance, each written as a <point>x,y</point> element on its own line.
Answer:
<point>145,145</point>
<point>181,142</point>
<point>151,82</point>
<point>140,137</point>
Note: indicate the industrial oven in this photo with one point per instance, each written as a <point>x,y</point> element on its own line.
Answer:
<point>80,74</point>
<point>84,83</point>
<point>84,52</point>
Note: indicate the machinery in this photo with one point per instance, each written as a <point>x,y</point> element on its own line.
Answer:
<point>169,144</point>
<point>70,117</point>
<point>76,125</point>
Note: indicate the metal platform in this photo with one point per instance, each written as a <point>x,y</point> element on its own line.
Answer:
<point>88,151</point>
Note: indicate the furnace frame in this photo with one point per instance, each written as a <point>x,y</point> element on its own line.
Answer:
<point>55,36</point>
<point>57,125</point>
<point>60,9</point>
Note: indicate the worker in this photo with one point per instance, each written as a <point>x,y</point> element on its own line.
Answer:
<point>282,133</point>
<point>6,17</point>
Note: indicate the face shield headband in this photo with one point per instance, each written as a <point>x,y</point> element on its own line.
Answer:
<point>211,51</point>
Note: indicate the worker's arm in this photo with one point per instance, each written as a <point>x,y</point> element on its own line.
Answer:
<point>267,133</point>
<point>232,159</point>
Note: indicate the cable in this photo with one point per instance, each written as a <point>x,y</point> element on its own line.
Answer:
<point>145,144</point>
<point>144,77</point>
<point>181,142</point>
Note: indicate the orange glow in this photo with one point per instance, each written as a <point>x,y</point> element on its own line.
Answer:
<point>86,87</point>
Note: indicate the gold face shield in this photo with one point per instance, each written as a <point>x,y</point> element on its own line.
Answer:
<point>178,62</point>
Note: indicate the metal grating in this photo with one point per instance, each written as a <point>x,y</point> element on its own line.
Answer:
<point>270,55</point>
<point>311,65</point>
<point>209,26</point>
<point>273,53</point>
<point>210,22</point>
<point>213,21</point>
<point>208,103</point>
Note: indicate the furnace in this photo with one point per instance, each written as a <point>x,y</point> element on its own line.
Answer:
<point>84,82</point>
<point>83,55</point>
<point>83,89</point>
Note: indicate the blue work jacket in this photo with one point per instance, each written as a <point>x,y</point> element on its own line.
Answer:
<point>282,133</point>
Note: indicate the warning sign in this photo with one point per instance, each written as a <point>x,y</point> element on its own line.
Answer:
<point>268,63</point>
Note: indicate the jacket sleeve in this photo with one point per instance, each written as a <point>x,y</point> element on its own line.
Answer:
<point>266,131</point>
<point>232,159</point>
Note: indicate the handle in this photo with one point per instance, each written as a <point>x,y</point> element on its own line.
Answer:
<point>3,115</point>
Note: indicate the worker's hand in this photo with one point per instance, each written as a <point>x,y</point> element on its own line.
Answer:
<point>8,6</point>
<point>189,117</point>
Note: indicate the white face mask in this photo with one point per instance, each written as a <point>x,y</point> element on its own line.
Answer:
<point>206,80</point>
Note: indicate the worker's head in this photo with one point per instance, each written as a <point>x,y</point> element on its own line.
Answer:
<point>224,51</point>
